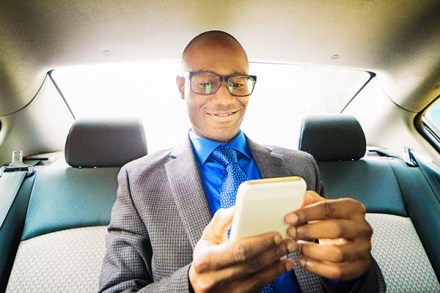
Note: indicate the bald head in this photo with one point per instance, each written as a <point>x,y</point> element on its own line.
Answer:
<point>215,116</point>
<point>212,45</point>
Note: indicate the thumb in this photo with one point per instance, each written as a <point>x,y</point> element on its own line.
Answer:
<point>311,197</point>
<point>217,229</point>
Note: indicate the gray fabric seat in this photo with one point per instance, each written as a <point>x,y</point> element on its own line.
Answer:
<point>63,239</point>
<point>338,144</point>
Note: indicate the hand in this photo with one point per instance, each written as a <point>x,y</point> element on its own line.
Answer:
<point>245,265</point>
<point>343,252</point>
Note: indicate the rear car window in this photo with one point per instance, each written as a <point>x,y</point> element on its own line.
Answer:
<point>432,116</point>
<point>282,95</point>
<point>431,121</point>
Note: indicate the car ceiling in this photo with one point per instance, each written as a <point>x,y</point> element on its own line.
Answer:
<point>398,40</point>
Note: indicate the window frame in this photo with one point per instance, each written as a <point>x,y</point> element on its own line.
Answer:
<point>425,129</point>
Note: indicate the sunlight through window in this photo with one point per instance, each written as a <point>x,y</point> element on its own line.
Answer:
<point>147,90</point>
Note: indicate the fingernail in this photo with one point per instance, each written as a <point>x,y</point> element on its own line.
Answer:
<point>291,231</point>
<point>291,246</point>
<point>302,262</point>
<point>277,239</point>
<point>293,219</point>
<point>289,265</point>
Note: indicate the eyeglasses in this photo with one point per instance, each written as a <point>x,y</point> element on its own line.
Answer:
<point>208,83</point>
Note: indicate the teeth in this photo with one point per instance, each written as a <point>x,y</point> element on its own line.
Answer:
<point>224,115</point>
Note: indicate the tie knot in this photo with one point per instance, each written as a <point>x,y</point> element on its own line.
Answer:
<point>225,155</point>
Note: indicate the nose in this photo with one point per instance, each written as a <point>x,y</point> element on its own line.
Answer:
<point>222,96</point>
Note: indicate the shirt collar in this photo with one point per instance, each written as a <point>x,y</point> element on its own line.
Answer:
<point>204,147</point>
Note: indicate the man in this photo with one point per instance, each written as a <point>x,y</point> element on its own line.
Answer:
<point>168,231</point>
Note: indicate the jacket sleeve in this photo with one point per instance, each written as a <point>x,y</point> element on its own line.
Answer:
<point>127,262</point>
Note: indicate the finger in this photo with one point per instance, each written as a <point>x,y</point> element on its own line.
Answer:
<point>217,229</point>
<point>257,281</point>
<point>350,251</point>
<point>338,271</point>
<point>311,197</point>
<point>329,209</point>
<point>247,270</point>
<point>331,229</point>
<point>244,250</point>
<point>263,259</point>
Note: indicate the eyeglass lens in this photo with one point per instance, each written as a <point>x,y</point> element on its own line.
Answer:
<point>209,83</point>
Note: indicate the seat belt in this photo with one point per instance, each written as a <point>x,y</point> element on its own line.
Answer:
<point>431,174</point>
<point>408,156</point>
<point>11,179</point>
<point>16,182</point>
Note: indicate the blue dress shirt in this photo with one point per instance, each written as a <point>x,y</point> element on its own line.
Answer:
<point>212,174</point>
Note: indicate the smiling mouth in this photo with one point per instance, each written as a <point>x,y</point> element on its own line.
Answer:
<point>224,114</point>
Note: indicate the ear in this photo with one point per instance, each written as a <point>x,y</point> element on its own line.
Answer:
<point>180,82</point>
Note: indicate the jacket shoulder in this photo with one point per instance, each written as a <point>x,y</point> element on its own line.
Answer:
<point>299,163</point>
<point>148,162</point>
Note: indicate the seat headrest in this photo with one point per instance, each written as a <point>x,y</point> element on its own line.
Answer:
<point>104,142</point>
<point>332,137</point>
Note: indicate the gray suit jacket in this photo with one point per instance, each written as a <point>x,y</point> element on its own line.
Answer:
<point>161,211</point>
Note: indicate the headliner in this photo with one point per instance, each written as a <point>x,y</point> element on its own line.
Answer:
<point>398,40</point>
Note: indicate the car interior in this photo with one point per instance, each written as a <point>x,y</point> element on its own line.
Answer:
<point>355,84</point>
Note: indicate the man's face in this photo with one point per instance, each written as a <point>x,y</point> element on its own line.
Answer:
<point>217,117</point>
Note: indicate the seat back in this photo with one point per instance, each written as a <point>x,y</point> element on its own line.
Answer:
<point>62,244</point>
<point>338,144</point>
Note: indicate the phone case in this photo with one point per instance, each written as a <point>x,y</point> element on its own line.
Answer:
<point>262,204</point>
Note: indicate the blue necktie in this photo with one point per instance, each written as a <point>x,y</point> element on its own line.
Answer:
<point>231,181</point>
<point>233,177</point>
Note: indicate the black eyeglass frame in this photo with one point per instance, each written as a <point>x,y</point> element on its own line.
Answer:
<point>223,79</point>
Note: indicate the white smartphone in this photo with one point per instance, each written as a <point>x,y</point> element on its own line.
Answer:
<point>262,204</point>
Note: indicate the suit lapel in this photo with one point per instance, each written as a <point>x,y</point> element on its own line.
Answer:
<point>189,196</point>
<point>269,164</point>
